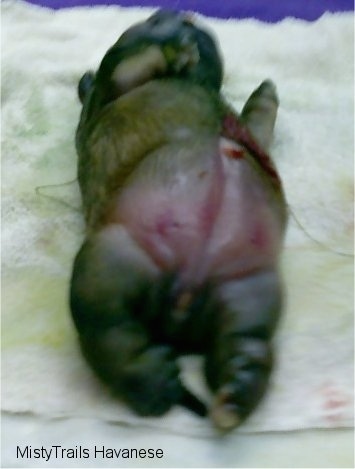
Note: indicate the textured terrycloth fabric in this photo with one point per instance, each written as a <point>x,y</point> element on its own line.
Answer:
<point>44,55</point>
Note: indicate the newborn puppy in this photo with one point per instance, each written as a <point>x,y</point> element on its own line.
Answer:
<point>185,220</point>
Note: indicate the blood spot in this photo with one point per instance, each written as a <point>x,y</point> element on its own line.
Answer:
<point>233,153</point>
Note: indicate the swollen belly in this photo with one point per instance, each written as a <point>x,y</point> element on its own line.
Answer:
<point>206,214</point>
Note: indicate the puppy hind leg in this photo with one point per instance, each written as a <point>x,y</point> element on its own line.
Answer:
<point>240,360</point>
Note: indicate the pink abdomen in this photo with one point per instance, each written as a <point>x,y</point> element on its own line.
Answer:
<point>206,214</point>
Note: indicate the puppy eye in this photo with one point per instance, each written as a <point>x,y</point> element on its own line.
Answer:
<point>154,20</point>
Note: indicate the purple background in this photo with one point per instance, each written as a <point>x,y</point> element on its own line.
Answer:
<point>265,10</point>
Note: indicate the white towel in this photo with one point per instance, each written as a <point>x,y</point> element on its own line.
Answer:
<point>44,55</point>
